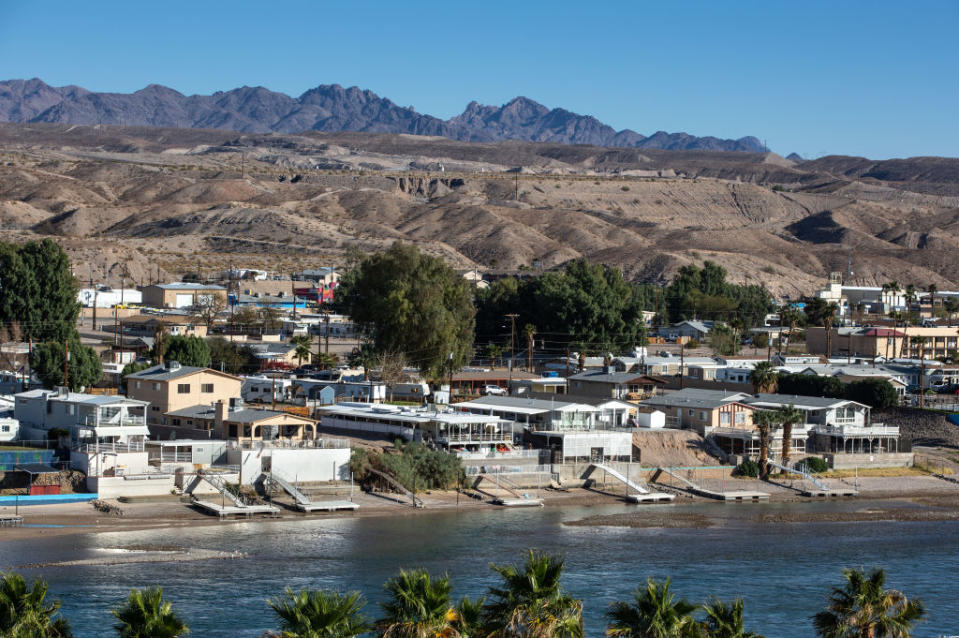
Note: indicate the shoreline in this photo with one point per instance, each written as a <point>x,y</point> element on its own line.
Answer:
<point>918,497</point>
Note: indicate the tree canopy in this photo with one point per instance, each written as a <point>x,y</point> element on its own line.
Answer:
<point>188,351</point>
<point>38,290</point>
<point>84,368</point>
<point>704,293</point>
<point>406,301</point>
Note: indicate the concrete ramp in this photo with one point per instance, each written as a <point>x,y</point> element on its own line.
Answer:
<point>734,496</point>
<point>642,495</point>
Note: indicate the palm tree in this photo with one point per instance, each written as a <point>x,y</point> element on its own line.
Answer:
<point>23,611</point>
<point>788,415</point>
<point>725,620</point>
<point>419,607</point>
<point>920,344</point>
<point>530,331</point>
<point>146,615</point>
<point>861,607</point>
<point>302,344</point>
<point>160,334</point>
<point>932,289</point>
<point>763,377</point>
<point>532,603</point>
<point>764,420</point>
<point>828,320</point>
<point>952,307</point>
<point>653,613</point>
<point>469,617</point>
<point>311,613</point>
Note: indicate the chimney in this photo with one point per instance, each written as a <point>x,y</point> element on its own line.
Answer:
<point>172,365</point>
<point>219,415</point>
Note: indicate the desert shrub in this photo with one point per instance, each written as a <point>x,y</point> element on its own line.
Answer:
<point>813,464</point>
<point>692,343</point>
<point>747,468</point>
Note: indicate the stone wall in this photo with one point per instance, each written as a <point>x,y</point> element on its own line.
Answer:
<point>922,427</point>
<point>850,461</point>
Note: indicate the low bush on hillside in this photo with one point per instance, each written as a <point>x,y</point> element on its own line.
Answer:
<point>415,466</point>
<point>747,468</point>
<point>813,464</point>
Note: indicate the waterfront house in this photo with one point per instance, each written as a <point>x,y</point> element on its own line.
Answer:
<point>535,414</point>
<point>234,421</point>
<point>171,387</point>
<point>87,418</point>
<point>617,385</point>
<point>703,410</point>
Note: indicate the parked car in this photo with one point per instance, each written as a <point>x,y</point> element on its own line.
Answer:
<point>493,390</point>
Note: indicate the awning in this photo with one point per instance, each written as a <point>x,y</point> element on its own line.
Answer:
<point>36,468</point>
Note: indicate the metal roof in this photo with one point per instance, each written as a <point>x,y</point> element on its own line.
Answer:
<point>523,405</point>
<point>696,398</point>
<point>809,403</point>
<point>163,373</point>
<point>36,468</point>
<point>182,285</point>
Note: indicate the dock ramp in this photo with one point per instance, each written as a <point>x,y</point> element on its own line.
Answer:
<point>734,496</point>
<point>303,502</point>
<point>822,490</point>
<point>519,498</point>
<point>643,495</point>
<point>220,485</point>
<point>416,500</point>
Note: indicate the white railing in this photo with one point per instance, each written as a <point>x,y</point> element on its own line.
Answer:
<point>491,437</point>
<point>325,443</point>
<point>494,454</point>
<point>473,470</point>
<point>876,429</point>
<point>94,448</point>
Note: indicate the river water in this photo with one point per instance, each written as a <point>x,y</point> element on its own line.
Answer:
<point>784,571</point>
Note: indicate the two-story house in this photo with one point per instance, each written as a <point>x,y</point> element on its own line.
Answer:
<point>88,418</point>
<point>171,387</point>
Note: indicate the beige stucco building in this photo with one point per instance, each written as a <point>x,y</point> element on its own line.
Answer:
<point>884,342</point>
<point>171,387</point>
<point>180,294</point>
<point>234,421</point>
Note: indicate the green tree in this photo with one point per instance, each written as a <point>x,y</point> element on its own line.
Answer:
<point>418,606</point>
<point>469,617</point>
<point>410,302</point>
<point>146,615</point>
<point>84,367</point>
<point>788,415</point>
<point>188,351</point>
<point>724,340</point>
<point>38,290</point>
<point>302,344</point>
<point>763,377</point>
<point>654,612</point>
<point>25,612</point>
<point>863,608</point>
<point>131,368</point>
<point>268,318</point>
<point>877,393</point>
<point>310,613</point>
<point>532,602</point>
<point>811,385</point>
<point>725,620</point>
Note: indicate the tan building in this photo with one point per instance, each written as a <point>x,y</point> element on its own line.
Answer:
<point>232,420</point>
<point>172,387</point>
<point>180,294</point>
<point>703,410</point>
<point>884,342</point>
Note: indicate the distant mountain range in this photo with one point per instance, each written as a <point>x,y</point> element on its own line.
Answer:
<point>330,108</point>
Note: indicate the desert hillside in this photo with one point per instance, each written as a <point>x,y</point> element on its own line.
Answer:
<point>127,202</point>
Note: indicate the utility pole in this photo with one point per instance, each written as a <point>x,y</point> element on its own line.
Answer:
<point>682,365</point>
<point>95,294</point>
<point>66,361</point>
<point>326,333</point>
<point>512,345</point>
<point>293,290</point>
<point>116,328</point>
<point>567,362</point>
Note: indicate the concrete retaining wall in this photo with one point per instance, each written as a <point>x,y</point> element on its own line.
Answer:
<point>850,461</point>
<point>115,487</point>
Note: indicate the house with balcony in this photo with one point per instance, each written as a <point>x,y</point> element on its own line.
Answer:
<point>453,430</point>
<point>89,419</point>
<point>704,411</point>
<point>233,421</point>
<point>535,414</point>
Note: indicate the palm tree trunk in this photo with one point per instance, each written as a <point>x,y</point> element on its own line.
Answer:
<point>787,443</point>
<point>764,454</point>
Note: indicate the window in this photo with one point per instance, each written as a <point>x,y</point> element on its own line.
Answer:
<point>206,388</point>
<point>183,388</point>
<point>724,418</point>
<point>254,389</point>
<point>740,418</point>
<point>136,384</point>
<point>176,421</point>
<point>154,408</point>
<point>156,387</point>
<point>5,428</point>
<point>71,409</point>
<point>692,412</point>
<point>702,416</point>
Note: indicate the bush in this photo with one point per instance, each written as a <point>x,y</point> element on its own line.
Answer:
<point>415,466</point>
<point>747,468</point>
<point>692,343</point>
<point>813,464</point>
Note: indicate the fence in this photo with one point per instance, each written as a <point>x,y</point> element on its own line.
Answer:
<point>473,470</point>
<point>325,443</point>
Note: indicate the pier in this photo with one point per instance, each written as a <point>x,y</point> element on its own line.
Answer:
<point>734,496</point>
<point>820,489</point>
<point>642,495</point>
<point>303,502</point>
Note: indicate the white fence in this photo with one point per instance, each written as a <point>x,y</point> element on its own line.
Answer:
<point>473,470</point>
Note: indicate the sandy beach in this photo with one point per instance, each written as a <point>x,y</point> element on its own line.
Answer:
<point>905,498</point>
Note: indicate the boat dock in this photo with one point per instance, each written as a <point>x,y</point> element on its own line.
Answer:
<point>819,489</point>
<point>733,496</point>
<point>642,495</point>
<point>303,502</point>
<point>223,511</point>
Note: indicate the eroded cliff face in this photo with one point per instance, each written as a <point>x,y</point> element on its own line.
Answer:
<point>143,198</point>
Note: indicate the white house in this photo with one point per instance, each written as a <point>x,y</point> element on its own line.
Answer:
<point>88,418</point>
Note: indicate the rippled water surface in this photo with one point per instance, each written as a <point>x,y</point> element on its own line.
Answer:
<point>783,571</point>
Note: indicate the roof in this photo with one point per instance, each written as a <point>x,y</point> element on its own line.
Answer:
<point>701,326</point>
<point>493,375</point>
<point>523,405</point>
<point>802,402</point>
<point>36,468</point>
<point>182,285</point>
<point>409,416</point>
<point>578,398</point>
<point>80,397</point>
<point>697,398</point>
<point>243,415</point>
<point>596,376</point>
<point>163,373</point>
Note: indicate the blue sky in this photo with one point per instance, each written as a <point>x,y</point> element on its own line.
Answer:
<point>879,79</point>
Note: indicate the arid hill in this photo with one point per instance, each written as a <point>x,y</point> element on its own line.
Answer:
<point>129,202</point>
